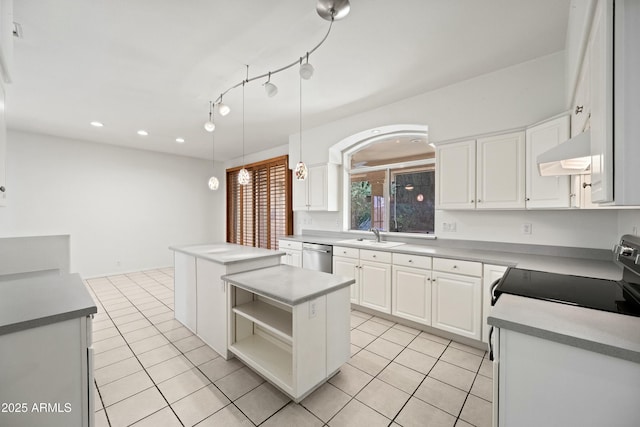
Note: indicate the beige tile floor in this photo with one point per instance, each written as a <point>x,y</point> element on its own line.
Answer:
<point>152,371</point>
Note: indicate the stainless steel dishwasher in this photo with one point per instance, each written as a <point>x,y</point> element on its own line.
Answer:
<point>317,257</point>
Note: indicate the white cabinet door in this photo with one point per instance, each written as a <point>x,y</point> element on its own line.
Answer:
<point>185,290</point>
<point>456,304</point>
<point>456,175</point>
<point>212,305</point>
<point>601,91</point>
<point>348,267</point>
<point>581,108</point>
<point>317,188</point>
<point>299,193</point>
<point>3,150</point>
<point>375,286</point>
<point>490,273</point>
<point>500,172</point>
<point>320,191</point>
<point>292,258</point>
<point>546,191</point>
<point>411,294</point>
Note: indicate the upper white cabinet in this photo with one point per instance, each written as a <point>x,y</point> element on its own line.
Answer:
<point>483,174</point>
<point>319,192</point>
<point>546,191</point>
<point>581,106</point>
<point>456,175</point>
<point>500,172</point>
<point>601,100</point>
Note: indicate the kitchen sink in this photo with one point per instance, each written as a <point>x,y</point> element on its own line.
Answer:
<point>371,243</point>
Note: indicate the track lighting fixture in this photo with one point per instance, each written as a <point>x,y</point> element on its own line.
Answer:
<point>306,69</point>
<point>209,126</point>
<point>223,109</point>
<point>270,88</point>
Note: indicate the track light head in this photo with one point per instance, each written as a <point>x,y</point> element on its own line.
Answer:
<point>223,109</point>
<point>270,89</point>
<point>209,126</point>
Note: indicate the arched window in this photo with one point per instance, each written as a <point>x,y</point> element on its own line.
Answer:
<point>391,183</point>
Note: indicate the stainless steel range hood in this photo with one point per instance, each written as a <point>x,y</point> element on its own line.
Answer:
<point>572,157</point>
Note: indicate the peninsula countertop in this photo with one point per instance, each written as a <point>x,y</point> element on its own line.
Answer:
<point>41,300</point>
<point>287,284</point>
<point>607,333</point>
<point>226,253</point>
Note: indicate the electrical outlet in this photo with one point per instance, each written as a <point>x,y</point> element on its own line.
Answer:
<point>312,309</point>
<point>634,231</point>
<point>452,227</point>
<point>526,228</point>
<point>445,226</point>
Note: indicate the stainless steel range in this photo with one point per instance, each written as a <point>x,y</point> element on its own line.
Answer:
<point>621,296</point>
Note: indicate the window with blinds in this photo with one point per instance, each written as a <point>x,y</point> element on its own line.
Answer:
<point>260,212</point>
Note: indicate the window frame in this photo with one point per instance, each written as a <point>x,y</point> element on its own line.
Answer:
<point>347,171</point>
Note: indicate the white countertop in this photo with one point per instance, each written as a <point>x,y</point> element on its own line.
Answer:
<point>41,300</point>
<point>594,330</point>
<point>598,268</point>
<point>289,285</point>
<point>226,253</point>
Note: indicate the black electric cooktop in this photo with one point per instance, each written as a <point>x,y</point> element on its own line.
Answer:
<point>589,292</point>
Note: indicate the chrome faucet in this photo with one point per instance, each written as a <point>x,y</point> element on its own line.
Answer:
<point>376,232</point>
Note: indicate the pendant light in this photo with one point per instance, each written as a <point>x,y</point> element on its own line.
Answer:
<point>209,126</point>
<point>223,109</point>
<point>306,69</point>
<point>300,171</point>
<point>243,175</point>
<point>213,181</point>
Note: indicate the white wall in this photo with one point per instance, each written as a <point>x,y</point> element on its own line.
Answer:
<point>629,222</point>
<point>510,98</point>
<point>122,207</point>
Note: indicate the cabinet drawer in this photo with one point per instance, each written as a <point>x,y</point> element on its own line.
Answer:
<point>289,244</point>
<point>346,252</point>
<point>366,255</point>
<point>412,261</point>
<point>456,266</point>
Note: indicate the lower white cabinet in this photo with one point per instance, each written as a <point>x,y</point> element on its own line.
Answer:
<point>457,298</point>
<point>375,285</point>
<point>411,294</point>
<point>46,375</point>
<point>295,347</point>
<point>348,267</point>
<point>292,252</point>
<point>211,311</point>
<point>544,383</point>
<point>490,273</point>
<point>185,289</point>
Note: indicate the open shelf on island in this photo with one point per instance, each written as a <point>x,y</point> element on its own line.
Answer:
<point>269,317</point>
<point>268,359</point>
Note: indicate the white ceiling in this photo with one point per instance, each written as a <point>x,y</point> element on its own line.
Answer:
<point>156,64</point>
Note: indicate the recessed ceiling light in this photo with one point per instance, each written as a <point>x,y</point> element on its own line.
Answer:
<point>142,132</point>
<point>416,140</point>
<point>431,144</point>
<point>180,140</point>
<point>97,124</point>
<point>375,131</point>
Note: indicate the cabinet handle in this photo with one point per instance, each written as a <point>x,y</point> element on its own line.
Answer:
<point>479,201</point>
<point>572,195</point>
<point>429,279</point>
<point>585,184</point>
<point>344,252</point>
<point>2,189</point>
<point>471,201</point>
<point>374,256</point>
<point>579,109</point>
<point>455,266</point>
<point>410,260</point>
<point>527,199</point>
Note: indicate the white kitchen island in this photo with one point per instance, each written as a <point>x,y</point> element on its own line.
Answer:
<point>290,325</point>
<point>200,296</point>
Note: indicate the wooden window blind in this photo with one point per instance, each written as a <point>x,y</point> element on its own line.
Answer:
<point>259,213</point>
